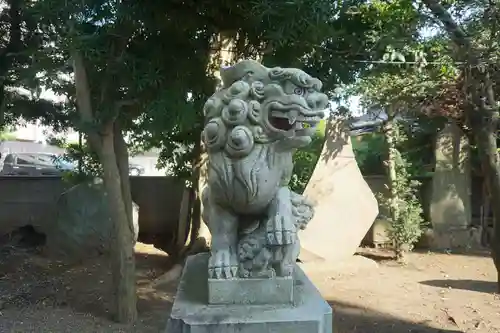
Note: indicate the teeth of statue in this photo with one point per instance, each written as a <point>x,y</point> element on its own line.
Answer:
<point>290,133</point>
<point>292,116</point>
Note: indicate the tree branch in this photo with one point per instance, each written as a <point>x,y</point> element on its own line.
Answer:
<point>83,98</point>
<point>456,33</point>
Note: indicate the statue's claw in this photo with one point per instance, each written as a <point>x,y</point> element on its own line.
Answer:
<point>281,230</point>
<point>223,264</point>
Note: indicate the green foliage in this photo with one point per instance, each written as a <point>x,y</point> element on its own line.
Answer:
<point>418,148</point>
<point>406,213</point>
<point>7,136</point>
<point>406,230</point>
<point>370,152</point>
<point>147,62</point>
<point>305,160</point>
<point>57,141</point>
<point>87,161</point>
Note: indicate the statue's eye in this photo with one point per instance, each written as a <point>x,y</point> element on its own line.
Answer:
<point>299,91</point>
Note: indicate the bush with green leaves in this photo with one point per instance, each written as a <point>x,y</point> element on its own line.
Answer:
<point>404,207</point>
<point>87,162</point>
<point>369,151</point>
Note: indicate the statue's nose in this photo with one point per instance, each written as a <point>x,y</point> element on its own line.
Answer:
<point>317,101</point>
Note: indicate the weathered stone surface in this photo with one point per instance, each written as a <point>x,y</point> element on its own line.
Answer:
<point>83,227</point>
<point>453,238</point>
<point>450,206</point>
<point>345,207</point>
<point>278,290</point>
<point>253,125</point>
<point>250,282</point>
<point>379,233</point>
<point>191,313</point>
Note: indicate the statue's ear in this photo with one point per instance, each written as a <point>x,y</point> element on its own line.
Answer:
<point>247,70</point>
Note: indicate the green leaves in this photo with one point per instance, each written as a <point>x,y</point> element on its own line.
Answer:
<point>393,55</point>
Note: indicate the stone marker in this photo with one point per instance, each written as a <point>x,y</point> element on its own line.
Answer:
<point>83,228</point>
<point>345,206</point>
<point>249,282</point>
<point>450,206</point>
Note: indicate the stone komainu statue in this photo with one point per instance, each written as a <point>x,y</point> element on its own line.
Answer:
<point>252,127</point>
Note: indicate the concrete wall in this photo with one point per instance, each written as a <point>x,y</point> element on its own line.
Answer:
<point>32,200</point>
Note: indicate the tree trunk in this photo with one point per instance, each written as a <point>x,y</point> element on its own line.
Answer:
<point>198,228</point>
<point>223,54</point>
<point>122,157</point>
<point>389,131</point>
<point>485,130</point>
<point>122,250</point>
<point>485,215</point>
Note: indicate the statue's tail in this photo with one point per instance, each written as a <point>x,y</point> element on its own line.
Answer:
<point>302,210</point>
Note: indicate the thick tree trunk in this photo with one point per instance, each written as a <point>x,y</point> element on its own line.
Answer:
<point>122,251</point>
<point>485,130</point>
<point>223,54</point>
<point>198,228</point>
<point>122,157</point>
<point>485,215</point>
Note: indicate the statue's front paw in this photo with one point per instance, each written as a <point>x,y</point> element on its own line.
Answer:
<point>281,230</point>
<point>223,264</point>
<point>286,270</point>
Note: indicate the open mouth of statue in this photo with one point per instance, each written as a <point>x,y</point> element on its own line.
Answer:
<point>292,120</point>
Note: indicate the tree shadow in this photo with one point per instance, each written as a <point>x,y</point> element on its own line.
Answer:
<point>336,137</point>
<point>481,253</point>
<point>348,318</point>
<point>88,288</point>
<point>470,285</point>
<point>379,256</point>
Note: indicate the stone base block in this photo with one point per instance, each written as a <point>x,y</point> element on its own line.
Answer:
<point>251,291</point>
<point>454,238</point>
<point>191,312</point>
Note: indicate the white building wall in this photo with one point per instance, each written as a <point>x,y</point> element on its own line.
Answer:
<point>34,131</point>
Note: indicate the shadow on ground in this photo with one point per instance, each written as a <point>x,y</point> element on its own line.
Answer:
<point>387,254</point>
<point>349,318</point>
<point>91,286</point>
<point>471,285</point>
<point>378,257</point>
<point>77,291</point>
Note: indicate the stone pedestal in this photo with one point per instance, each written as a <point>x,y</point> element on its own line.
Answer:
<point>191,313</point>
<point>243,291</point>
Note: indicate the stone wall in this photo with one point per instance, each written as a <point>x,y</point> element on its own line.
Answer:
<point>32,201</point>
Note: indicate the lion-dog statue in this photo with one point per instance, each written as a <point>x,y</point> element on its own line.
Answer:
<point>253,125</point>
